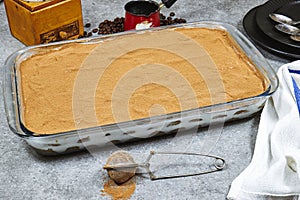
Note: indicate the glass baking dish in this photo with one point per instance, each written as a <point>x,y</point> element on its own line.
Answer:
<point>70,141</point>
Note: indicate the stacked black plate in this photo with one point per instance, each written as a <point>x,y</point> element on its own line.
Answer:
<point>261,28</point>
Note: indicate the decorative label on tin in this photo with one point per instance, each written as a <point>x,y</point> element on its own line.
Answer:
<point>61,33</point>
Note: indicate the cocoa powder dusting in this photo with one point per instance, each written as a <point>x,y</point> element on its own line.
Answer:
<point>119,192</point>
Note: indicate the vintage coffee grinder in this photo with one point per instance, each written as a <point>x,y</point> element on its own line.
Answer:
<point>43,21</point>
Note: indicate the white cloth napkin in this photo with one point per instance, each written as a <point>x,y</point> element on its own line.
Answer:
<point>274,172</point>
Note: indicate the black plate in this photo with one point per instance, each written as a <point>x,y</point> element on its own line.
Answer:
<point>266,42</point>
<point>267,25</point>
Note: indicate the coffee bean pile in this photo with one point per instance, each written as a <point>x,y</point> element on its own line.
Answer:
<point>117,25</point>
<point>169,20</point>
<point>106,27</point>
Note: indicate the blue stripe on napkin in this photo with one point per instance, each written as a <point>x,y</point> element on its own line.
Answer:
<point>297,94</point>
<point>294,71</point>
<point>296,88</point>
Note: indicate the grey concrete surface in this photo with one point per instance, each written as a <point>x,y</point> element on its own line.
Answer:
<point>27,175</point>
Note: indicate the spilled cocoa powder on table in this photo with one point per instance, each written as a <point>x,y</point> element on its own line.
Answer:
<point>119,192</point>
<point>121,183</point>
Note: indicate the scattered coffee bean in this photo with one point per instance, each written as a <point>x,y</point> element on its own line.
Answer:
<point>162,17</point>
<point>89,34</point>
<point>172,14</point>
<point>182,21</point>
<point>95,30</point>
<point>87,25</point>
